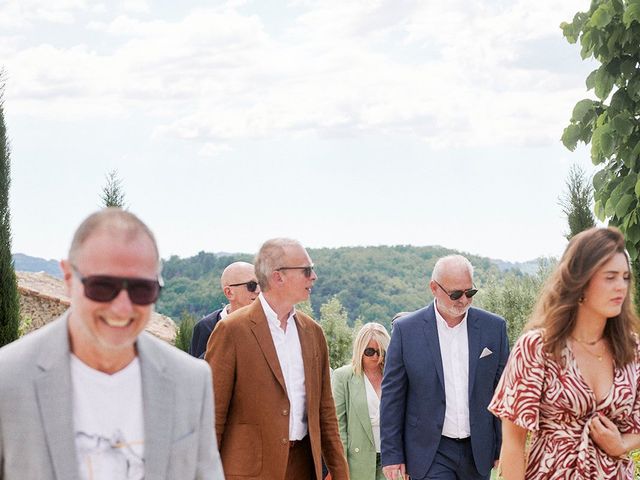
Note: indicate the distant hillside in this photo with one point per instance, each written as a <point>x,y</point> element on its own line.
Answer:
<point>26,263</point>
<point>531,267</point>
<point>372,283</point>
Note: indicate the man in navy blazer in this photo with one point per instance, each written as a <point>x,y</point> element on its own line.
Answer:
<point>442,366</point>
<point>240,286</point>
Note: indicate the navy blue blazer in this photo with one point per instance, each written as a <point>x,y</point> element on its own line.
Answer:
<point>412,406</point>
<point>201,332</point>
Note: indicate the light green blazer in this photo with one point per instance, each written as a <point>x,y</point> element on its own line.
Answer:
<point>352,410</point>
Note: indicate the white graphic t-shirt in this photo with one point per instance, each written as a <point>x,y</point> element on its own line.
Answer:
<point>108,422</point>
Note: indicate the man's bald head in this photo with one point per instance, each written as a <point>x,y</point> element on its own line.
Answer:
<point>237,272</point>
<point>234,280</point>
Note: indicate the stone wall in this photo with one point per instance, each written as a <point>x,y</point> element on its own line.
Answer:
<point>36,311</point>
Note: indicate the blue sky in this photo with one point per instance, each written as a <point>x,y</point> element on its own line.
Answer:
<point>337,122</point>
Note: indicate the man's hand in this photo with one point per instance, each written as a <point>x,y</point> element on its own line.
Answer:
<point>395,472</point>
<point>607,436</point>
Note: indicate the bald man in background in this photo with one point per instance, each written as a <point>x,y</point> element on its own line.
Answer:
<point>240,286</point>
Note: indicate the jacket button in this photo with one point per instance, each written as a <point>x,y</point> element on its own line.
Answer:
<point>357,450</point>
<point>285,412</point>
<point>284,441</point>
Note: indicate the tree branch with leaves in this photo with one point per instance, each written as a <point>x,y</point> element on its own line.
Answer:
<point>609,32</point>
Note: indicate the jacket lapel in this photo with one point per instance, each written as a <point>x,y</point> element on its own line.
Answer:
<point>309,360</point>
<point>158,400</point>
<point>358,393</point>
<point>54,397</point>
<point>473,334</point>
<point>262,333</point>
<point>433,342</point>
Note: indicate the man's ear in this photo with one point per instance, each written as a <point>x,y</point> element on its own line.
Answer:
<point>67,274</point>
<point>228,292</point>
<point>276,278</point>
<point>434,287</point>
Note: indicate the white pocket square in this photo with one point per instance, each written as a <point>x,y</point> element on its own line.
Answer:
<point>485,353</point>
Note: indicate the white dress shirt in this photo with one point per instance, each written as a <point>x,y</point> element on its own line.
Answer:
<point>373,402</point>
<point>454,349</point>
<point>289,353</point>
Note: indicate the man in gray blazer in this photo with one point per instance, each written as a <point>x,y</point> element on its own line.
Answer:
<point>91,395</point>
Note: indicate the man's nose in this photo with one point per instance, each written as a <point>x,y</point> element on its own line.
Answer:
<point>122,305</point>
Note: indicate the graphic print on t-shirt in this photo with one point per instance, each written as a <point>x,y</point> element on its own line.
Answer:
<point>108,458</point>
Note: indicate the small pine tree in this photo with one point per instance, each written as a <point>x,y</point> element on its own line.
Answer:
<point>9,299</point>
<point>112,193</point>
<point>333,319</point>
<point>576,202</point>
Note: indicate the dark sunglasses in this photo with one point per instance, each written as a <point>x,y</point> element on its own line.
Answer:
<point>306,270</point>
<point>370,352</point>
<point>251,285</point>
<point>104,288</point>
<point>456,294</point>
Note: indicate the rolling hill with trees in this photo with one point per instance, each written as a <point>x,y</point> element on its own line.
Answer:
<point>371,283</point>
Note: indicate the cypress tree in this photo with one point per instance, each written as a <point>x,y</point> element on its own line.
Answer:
<point>112,193</point>
<point>9,300</point>
<point>576,202</point>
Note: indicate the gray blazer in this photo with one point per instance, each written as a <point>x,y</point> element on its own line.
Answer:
<point>36,420</point>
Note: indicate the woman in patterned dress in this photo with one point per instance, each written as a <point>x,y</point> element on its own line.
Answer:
<point>573,377</point>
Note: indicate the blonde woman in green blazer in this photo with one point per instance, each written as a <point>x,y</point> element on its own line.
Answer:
<point>356,391</point>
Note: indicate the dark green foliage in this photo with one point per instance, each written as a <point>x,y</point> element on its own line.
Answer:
<point>185,331</point>
<point>193,284</point>
<point>112,193</point>
<point>9,300</point>
<point>576,202</point>
<point>374,283</point>
<point>610,33</point>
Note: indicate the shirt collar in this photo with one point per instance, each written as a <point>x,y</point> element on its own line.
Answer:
<point>224,312</point>
<point>272,316</point>
<point>443,323</point>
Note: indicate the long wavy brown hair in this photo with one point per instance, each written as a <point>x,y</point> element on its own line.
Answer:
<point>557,308</point>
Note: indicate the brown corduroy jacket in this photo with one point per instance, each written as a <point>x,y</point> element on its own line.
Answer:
<point>251,402</point>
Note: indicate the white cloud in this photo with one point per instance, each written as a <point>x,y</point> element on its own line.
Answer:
<point>212,150</point>
<point>136,6</point>
<point>446,72</point>
<point>16,14</point>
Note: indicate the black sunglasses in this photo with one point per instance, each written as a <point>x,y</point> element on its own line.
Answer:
<point>306,270</point>
<point>370,352</point>
<point>456,294</point>
<point>104,288</point>
<point>251,285</point>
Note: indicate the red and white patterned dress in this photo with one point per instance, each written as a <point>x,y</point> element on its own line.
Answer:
<point>555,403</point>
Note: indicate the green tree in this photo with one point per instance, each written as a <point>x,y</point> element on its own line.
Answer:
<point>333,319</point>
<point>305,307</point>
<point>610,33</point>
<point>576,202</point>
<point>185,331</point>
<point>112,193</point>
<point>514,296</point>
<point>9,300</point>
